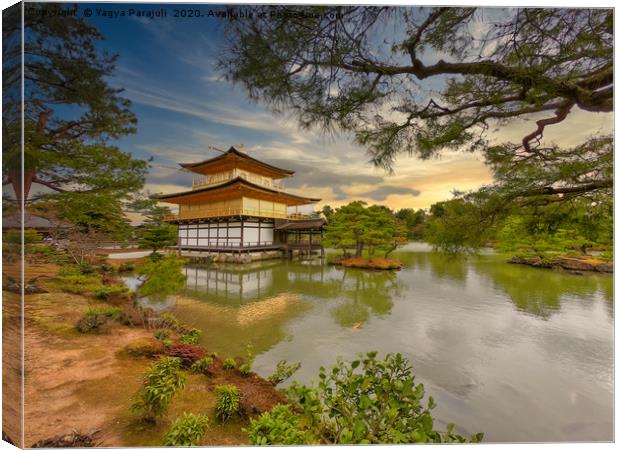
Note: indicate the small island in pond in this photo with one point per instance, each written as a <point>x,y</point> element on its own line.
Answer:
<point>368,263</point>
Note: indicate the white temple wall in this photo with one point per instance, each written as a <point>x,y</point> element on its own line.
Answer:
<point>233,234</point>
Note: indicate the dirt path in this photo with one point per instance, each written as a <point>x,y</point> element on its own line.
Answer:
<point>74,381</point>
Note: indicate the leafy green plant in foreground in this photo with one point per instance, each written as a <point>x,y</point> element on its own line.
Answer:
<point>168,320</point>
<point>162,334</point>
<point>227,404</point>
<point>187,430</point>
<point>126,267</point>
<point>280,426</point>
<point>365,401</point>
<point>191,336</point>
<point>246,367</point>
<point>283,372</point>
<point>161,382</point>
<point>202,364</point>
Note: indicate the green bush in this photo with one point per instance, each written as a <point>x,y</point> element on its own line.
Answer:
<point>106,267</point>
<point>229,363</point>
<point>70,279</point>
<point>190,337</point>
<point>12,243</point>
<point>607,255</point>
<point>147,347</point>
<point>43,253</point>
<point>280,426</point>
<point>40,250</point>
<point>91,323</point>
<point>155,257</point>
<point>167,343</point>
<point>86,269</point>
<point>162,277</point>
<point>367,401</point>
<point>227,403</point>
<point>109,311</point>
<point>202,364</point>
<point>126,267</point>
<point>108,292</point>
<point>30,236</point>
<point>283,372</point>
<point>95,318</point>
<point>168,320</point>
<point>161,382</point>
<point>162,334</point>
<point>246,367</point>
<point>187,430</point>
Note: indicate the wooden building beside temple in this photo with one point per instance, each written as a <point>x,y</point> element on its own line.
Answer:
<point>238,205</point>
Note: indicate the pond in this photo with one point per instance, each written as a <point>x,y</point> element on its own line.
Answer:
<point>519,353</point>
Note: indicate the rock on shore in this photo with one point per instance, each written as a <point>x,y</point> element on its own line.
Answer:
<point>578,264</point>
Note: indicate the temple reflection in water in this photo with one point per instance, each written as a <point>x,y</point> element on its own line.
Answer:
<point>234,304</point>
<point>233,284</point>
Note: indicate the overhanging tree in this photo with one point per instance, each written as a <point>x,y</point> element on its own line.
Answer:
<point>420,80</point>
<point>71,112</point>
<point>578,182</point>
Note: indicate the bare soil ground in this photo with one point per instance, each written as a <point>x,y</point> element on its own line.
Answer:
<point>11,368</point>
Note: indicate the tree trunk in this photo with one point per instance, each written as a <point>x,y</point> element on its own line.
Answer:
<point>17,183</point>
<point>359,248</point>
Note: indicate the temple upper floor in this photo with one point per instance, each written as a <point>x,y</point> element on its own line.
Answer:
<point>222,177</point>
<point>233,159</point>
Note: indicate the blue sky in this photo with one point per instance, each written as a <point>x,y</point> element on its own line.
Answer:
<point>168,68</point>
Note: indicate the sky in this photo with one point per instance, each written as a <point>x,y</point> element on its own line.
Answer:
<point>167,67</point>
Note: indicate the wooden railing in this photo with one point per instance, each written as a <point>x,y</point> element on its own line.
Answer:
<point>227,212</point>
<point>223,243</point>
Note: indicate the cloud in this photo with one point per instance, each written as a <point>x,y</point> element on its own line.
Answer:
<point>383,192</point>
<point>216,112</point>
<point>170,176</point>
<point>315,174</point>
<point>174,153</point>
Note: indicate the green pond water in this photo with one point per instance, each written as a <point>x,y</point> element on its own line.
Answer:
<point>521,354</point>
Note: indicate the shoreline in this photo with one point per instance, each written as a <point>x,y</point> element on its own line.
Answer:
<point>85,381</point>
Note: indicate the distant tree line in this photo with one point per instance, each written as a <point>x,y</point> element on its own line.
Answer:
<point>461,225</point>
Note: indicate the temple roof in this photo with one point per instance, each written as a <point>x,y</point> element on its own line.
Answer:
<point>309,224</point>
<point>234,188</point>
<point>234,158</point>
<point>30,221</point>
